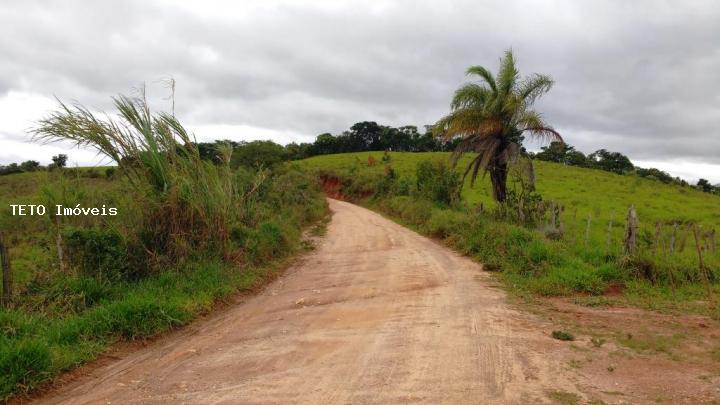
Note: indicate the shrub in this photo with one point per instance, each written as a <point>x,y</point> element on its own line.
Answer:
<point>23,365</point>
<point>562,335</point>
<point>258,154</point>
<point>189,201</point>
<point>265,242</point>
<point>438,182</point>
<point>442,223</point>
<point>98,253</point>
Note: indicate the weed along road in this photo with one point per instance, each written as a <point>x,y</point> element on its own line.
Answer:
<point>375,314</point>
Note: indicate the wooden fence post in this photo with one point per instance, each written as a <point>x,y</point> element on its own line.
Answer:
<point>574,226</point>
<point>701,263</point>
<point>672,238</point>
<point>587,230</point>
<point>710,241</point>
<point>631,231</point>
<point>6,273</point>
<point>656,243</point>
<point>59,246</point>
<point>609,236</point>
<point>683,239</point>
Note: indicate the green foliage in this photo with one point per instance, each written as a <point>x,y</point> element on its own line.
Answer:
<point>23,365</point>
<point>60,160</point>
<point>69,318</point>
<point>561,152</point>
<point>581,191</point>
<point>562,335</point>
<point>610,161</point>
<point>258,154</point>
<point>35,347</point>
<point>98,252</point>
<point>265,242</point>
<point>189,201</point>
<point>437,182</point>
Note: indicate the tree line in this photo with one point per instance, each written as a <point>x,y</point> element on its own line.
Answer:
<point>371,136</point>
<point>59,161</point>
<point>361,137</point>
<point>614,162</point>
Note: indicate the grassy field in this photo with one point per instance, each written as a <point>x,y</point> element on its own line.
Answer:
<point>655,277</point>
<point>601,195</point>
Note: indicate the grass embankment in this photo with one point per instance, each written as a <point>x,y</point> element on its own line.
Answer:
<point>534,260</point>
<point>188,232</point>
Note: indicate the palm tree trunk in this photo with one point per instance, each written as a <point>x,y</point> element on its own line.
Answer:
<point>498,178</point>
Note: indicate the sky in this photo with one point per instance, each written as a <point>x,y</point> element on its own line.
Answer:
<point>636,77</point>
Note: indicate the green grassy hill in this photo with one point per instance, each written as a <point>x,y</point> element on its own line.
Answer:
<point>584,192</point>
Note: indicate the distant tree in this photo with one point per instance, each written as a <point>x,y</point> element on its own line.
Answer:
<point>704,185</point>
<point>325,144</point>
<point>60,160</point>
<point>424,142</point>
<point>576,158</point>
<point>610,161</point>
<point>555,152</point>
<point>491,119</point>
<point>207,150</point>
<point>212,150</point>
<point>364,136</point>
<point>397,139</point>
<point>29,166</point>
<point>655,174</point>
<point>10,169</point>
<point>298,151</point>
<point>258,153</point>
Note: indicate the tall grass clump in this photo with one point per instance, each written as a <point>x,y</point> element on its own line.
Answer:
<point>190,202</point>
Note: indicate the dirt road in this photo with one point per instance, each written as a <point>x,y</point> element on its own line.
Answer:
<point>376,314</point>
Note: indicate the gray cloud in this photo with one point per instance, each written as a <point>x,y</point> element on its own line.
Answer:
<point>636,77</point>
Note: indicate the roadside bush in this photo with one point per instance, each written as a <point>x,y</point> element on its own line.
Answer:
<point>257,154</point>
<point>412,210</point>
<point>437,182</point>
<point>61,294</point>
<point>265,242</point>
<point>443,223</point>
<point>102,254</point>
<point>23,364</point>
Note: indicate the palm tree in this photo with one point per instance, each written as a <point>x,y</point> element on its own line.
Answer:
<point>492,118</point>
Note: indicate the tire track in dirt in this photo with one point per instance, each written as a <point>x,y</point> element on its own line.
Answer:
<point>376,314</point>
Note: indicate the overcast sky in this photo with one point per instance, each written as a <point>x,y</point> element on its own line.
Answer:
<point>639,77</point>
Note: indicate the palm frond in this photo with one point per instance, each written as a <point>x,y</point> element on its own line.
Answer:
<point>545,134</point>
<point>470,94</point>
<point>466,122</point>
<point>533,87</point>
<point>508,74</point>
<point>485,74</point>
